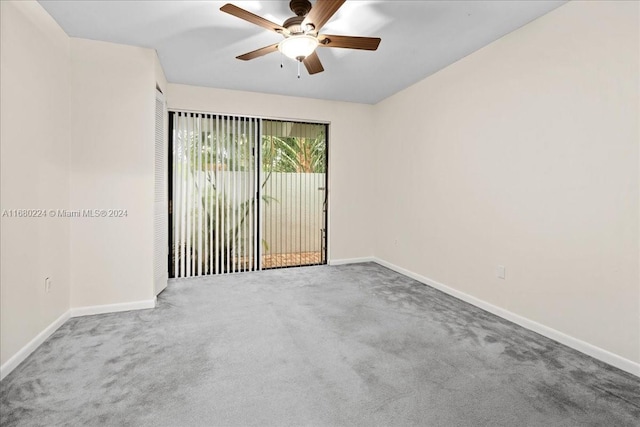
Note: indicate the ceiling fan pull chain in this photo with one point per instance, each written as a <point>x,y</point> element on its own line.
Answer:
<point>299,68</point>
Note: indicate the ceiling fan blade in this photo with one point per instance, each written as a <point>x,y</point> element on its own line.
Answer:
<point>349,42</point>
<point>313,64</point>
<point>259,52</point>
<point>321,12</point>
<point>254,19</point>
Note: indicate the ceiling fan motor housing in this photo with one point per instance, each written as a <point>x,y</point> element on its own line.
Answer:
<point>300,7</point>
<point>294,25</point>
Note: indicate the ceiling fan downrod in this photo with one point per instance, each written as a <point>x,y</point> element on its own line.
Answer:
<point>300,7</point>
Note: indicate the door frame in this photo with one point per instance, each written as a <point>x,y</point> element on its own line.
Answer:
<point>325,241</point>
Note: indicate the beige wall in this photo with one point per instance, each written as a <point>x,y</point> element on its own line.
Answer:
<point>112,161</point>
<point>350,153</point>
<point>161,80</point>
<point>34,153</point>
<point>525,154</point>
<point>77,133</point>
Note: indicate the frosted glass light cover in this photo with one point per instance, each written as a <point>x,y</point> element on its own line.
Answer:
<point>300,46</point>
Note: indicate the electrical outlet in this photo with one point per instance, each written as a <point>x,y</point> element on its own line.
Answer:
<point>501,272</point>
<point>47,284</point>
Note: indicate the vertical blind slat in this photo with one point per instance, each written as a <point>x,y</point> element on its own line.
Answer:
<point>223,192</point>
<point>218,174</point>
<point>213,194</point>
<point>176,190</point>
<point>226,194</point>
<point>199,210</point>
<point>250,195</point>
<point>183,173</point>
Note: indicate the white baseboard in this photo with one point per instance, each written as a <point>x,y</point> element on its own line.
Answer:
<point>582,346</point>
<point>351,260</point>
<point>112,308</point>
<point>25,351</point>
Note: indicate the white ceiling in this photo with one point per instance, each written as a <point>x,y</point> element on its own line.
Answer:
<point>197,43</point>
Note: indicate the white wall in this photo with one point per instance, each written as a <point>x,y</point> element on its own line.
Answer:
<point>351,153</point>
<point>77,133</point>
<point>34,153</point>
<point>112,163</point>
<point>525,154</point>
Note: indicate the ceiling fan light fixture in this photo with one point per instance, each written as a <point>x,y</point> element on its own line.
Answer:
<point>298,47</point>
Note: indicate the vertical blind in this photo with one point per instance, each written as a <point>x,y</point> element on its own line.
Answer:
<point>214,184</point>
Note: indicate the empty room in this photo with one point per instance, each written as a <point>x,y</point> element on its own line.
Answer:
<point>320,213</point>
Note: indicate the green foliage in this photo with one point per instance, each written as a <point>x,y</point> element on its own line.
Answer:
<point>212,150</point>
<point>294,154</point>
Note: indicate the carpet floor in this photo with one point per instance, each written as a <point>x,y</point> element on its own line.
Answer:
<point>353,345</point>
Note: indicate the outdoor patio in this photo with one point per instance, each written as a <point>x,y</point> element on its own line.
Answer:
<point>291,259</point>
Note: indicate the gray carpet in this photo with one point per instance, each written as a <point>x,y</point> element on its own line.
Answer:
<point>326,346</point>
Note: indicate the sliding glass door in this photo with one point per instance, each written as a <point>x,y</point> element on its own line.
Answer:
<point>245,194</point>
<point>294,162</point>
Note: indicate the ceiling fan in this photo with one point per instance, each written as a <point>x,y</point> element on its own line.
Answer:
<point>301,32</point>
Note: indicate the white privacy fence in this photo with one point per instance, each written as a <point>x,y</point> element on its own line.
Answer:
<point>292,213</point>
